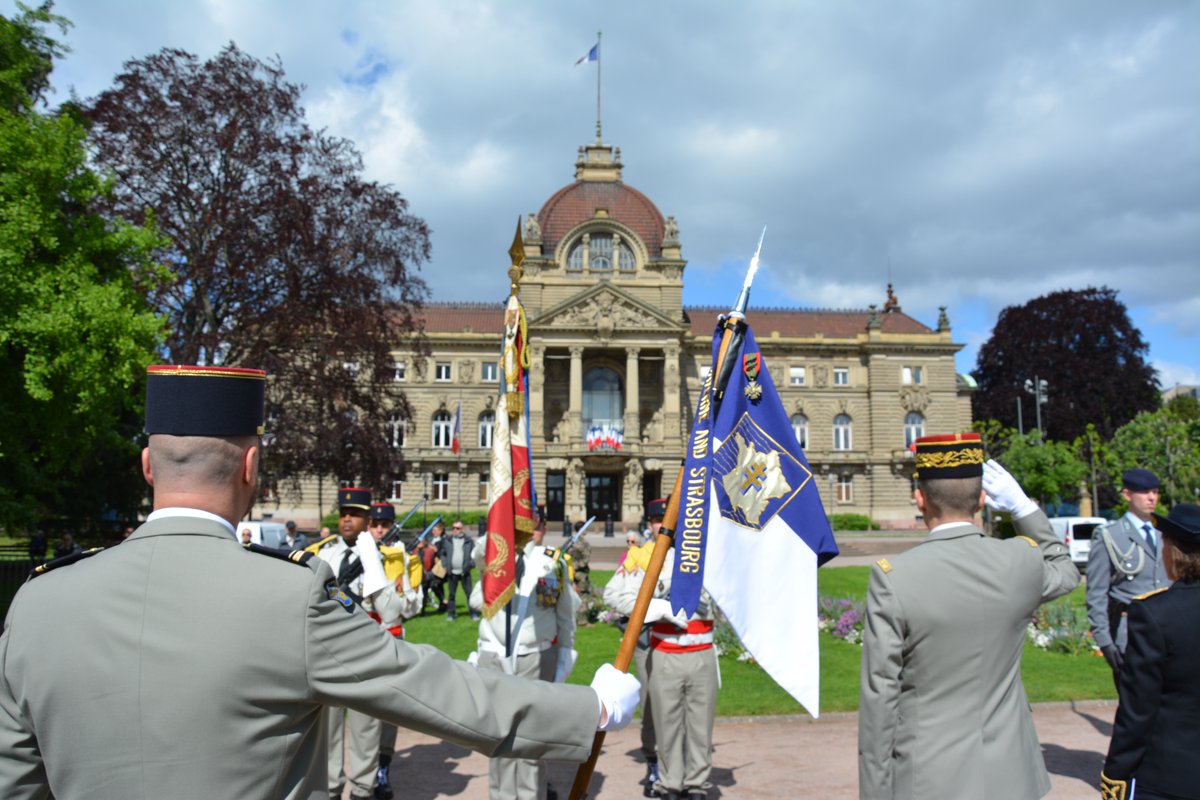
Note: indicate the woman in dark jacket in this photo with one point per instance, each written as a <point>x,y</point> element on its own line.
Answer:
<point>1156,735</point>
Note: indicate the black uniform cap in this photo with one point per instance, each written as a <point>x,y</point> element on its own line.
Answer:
<point>657,508</point>
<point>351,497</point>
<point>1183,523</point>
<point>952,455</point>
<point>204,401</point>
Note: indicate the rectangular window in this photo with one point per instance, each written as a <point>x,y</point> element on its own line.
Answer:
<point>487,423</point>
<point>397,490</point>
<point>483,488</point>
<point>796,376</point>
<point>490,372</point>
<point>841,376</point>
<point>399,371</point>
<point>441,486</point>
<point>441,371</point>
<point>845,489</point>
<point>912,375</point>
<point>443,430</point>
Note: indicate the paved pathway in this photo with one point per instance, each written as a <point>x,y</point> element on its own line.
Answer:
<point>761,758</point>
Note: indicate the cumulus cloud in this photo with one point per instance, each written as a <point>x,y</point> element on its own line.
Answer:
<point>977,154</point>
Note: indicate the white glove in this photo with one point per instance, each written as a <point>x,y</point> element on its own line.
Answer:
<point>566,663</point>
<point>660,609</point>
<point>617,693</point>
<point>1004,493</point>
<point>473,659</point>
<point>373,576</point>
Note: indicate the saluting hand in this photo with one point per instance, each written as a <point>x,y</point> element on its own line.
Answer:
<point>1004,493</point>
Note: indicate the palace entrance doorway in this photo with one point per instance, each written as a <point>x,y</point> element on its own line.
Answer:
<point>604,497</point>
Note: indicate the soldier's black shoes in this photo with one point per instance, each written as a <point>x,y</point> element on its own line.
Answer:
<point>383,789</point>
<point>651,779</point>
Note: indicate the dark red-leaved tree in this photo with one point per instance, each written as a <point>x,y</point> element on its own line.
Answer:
<point>283,256</point>
<point>1083,344</point>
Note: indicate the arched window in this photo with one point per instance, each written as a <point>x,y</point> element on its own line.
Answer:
<point>800,428</point>
<point>601,397</point>
<point>443,429</point>
<point>596,251</point>
<point>914,427</point>
<point>487,423</point>
<point>842,438</point>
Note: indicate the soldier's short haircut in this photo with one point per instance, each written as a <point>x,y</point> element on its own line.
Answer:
<point>951,497</point>
<point>1186,556</point>
<point>197,460</point>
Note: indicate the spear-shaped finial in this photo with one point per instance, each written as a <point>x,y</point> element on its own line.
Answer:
<point>517,251</point>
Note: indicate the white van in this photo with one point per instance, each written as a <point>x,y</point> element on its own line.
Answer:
<point>267,534</point>
<point>1076,534</point>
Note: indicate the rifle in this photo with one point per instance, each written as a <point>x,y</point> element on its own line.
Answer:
<point>582,530</point>
<point>355,569</point>
<point>731,337</point>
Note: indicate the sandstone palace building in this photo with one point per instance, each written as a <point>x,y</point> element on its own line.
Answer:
<point>617,360</point>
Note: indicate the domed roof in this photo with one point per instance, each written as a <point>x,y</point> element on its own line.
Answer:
<point>577,202</point>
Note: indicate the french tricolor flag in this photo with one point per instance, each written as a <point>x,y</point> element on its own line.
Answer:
<point>456,443</point>
<point>592,55</point>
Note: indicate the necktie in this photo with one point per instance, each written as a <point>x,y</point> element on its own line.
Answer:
<point>1150,539</point>
<point>345,565</point>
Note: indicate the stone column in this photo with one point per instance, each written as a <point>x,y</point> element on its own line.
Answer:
<point>671,387</point>
<point>632,398</point>
<point>575,401</point>
<point>537,379</point>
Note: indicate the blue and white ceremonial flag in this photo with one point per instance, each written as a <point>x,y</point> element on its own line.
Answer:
<point>751,526</point>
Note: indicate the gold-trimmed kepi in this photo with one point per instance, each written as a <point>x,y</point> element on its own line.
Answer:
<point>204,401</point>
<point>351,497</point>
<point>951,455</point>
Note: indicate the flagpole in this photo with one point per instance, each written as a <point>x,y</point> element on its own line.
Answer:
<point>599,54</point>
<point>734,328</point>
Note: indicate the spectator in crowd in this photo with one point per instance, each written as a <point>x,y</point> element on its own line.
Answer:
<point>293,539</point>
<point>38,545</point>
<point>455,554</point>
<point>67,546</point>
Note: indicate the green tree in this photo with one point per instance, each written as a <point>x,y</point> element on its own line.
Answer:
<point>1164,444</point>
<point>75,336</point>
<point>1047,470</point>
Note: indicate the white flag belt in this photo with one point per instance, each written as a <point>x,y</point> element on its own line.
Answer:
<point>522,649</point>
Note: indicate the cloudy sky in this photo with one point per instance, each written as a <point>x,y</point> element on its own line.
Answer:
<point>981,154</point>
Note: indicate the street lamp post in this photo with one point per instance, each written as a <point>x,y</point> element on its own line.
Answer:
<point>1038,388</point>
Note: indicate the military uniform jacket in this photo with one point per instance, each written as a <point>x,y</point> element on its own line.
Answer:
<point>550,620</point>
<point>1136,572</point>
<point>178,664</point>
<point>1156,734</point>
<point>942,711</point>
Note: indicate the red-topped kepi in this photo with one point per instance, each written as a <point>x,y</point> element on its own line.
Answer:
<point>383,511</point>
<point>204,401</point>
<point>950,455</point>
<point>353,497</point>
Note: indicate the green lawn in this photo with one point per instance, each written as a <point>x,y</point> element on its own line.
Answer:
<point>747,691</point>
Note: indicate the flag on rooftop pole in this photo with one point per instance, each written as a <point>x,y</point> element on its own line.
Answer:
<point>592,55</point>
<point>510,481</point>
<point>752,529</point>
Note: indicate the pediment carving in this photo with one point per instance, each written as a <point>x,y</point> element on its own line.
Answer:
<point>605,310</point>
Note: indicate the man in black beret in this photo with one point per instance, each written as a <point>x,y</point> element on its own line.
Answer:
<point>1125,561</point>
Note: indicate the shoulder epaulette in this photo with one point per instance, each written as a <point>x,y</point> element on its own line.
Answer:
<point>884,565</point>
<point>65,561</point>
<point>1150,593</point>
<point>295,556</point>
<point>1032,543</point>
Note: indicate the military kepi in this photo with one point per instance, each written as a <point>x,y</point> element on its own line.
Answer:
<point>351,497</point>
<point>204,401</point>
<point>383,511</point>
<point>657,508</point>
<point>952,455</point>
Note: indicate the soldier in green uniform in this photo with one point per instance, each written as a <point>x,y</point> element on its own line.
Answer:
<point>942,711</point>
<point>579,556</point>
<point>209,665</point>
